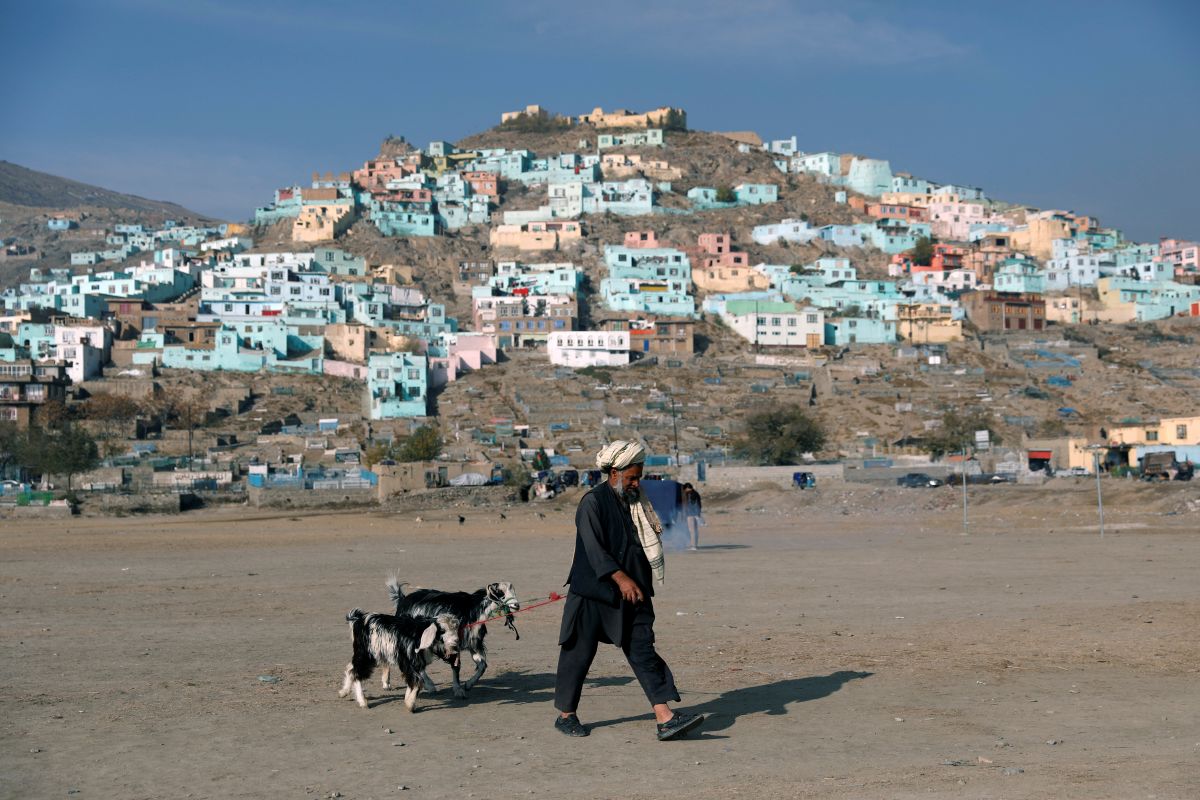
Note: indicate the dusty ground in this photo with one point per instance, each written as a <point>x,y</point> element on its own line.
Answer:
<point>846,644</point>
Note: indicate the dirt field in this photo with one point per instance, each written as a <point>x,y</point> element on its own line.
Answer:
<point>846,643</point>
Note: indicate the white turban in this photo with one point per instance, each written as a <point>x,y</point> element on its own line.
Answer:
<point>620,455</point>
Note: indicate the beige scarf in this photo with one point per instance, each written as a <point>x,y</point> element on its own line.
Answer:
<point>649,529</point>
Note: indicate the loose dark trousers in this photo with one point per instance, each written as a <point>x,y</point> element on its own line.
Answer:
<point>576,654</point>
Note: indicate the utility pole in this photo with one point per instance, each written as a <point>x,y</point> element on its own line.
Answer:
<point>675,430</point>
<point>964,485</point>
<point>1099,496</point>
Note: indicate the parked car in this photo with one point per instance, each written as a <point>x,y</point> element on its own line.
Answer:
<point>1079,472</point>
<point>919,480</point>
<point>804,480</point>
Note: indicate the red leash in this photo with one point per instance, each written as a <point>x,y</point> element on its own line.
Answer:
<point>553,598</point>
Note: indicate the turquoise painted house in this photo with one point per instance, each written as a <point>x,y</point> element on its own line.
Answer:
<point>894,235</point>
<point>1020,276</point>
<point>756,194</point>
<point>286,205</point>
<point>250,348</point>
<point>392,221</point>
<point>869,176</point>
<point>842,331</point>
<point>397,386</point>
<point>651,280</point>
<point>333,261</point>
<point>704,198</point>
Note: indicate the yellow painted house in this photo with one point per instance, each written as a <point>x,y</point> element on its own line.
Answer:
<point>1168,431</point>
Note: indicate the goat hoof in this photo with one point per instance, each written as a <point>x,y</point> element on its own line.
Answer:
<point>461,694</point>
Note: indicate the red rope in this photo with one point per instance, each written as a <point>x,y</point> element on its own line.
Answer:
<point>553,598</point>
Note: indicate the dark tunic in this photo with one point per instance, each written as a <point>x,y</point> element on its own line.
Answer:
<point>605,541</point>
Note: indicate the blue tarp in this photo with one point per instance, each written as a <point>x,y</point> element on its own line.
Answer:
<point>665,497</point>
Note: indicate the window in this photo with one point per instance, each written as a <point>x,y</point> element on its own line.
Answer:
<point>1181,431</point>
<point>791,322</point>
<point>775,322</point>
<point>414,374</point>
<point>811,318</point>
<point>1151,436</point>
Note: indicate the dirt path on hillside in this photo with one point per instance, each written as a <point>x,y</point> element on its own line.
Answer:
<point>846,644</point>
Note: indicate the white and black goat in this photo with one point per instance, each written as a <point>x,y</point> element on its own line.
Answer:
<point>470,609</point>
<point>406,644</point>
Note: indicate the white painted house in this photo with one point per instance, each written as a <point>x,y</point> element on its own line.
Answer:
<point>789,230</point>
<point>775,324</point>
<point>577,349</point>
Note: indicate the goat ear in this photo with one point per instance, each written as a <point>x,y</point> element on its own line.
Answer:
<point>428,636</point>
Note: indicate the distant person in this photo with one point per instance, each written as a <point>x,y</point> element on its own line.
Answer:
<point>693,513</point>
<point>618,555</point>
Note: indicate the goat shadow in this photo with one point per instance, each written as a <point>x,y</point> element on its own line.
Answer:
<point>772,699</point>
<point>511,687</point>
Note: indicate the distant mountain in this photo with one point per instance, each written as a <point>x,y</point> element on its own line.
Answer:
<point>26,187</point>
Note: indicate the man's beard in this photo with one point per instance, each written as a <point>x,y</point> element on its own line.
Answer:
<point>630,494</point>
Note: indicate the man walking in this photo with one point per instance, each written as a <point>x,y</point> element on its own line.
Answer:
<point>618,556</point>
<point>693,513</point>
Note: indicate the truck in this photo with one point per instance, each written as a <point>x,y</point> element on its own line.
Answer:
<point>1158,466</point>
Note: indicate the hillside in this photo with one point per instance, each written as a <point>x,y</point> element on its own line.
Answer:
<point>20,186</point>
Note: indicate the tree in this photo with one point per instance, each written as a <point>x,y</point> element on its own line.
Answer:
<point>423,444</point>
<point>54,414</point>
<point>725,194</point>
<point>10,445</point>
<point>922,254</point>
<point>74,452</point>
<point>180,409</point>
<point>780,435</point>
<point>958,431</point>
<point>673,120</point>
<point>113,412</point>
<point>68,452</point>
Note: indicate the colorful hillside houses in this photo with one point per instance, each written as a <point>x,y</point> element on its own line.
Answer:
<point>397,386</point>
<point>648,281</point>
<point>928,323</point>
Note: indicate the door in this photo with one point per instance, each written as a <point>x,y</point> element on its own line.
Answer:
<point>813,340</point>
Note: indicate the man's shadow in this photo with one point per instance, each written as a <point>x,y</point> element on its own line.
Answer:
<point>772,699</point>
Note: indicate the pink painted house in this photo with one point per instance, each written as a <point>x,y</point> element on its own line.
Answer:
<point>484,183</point>
<point>953,220</point>
<point>715,251</point>
<point>641,239</point>
<point>1183,256</point>
<point>375,174</point>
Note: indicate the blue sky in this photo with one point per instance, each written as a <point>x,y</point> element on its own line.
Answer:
<point>1090,106</point>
